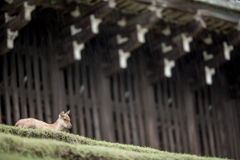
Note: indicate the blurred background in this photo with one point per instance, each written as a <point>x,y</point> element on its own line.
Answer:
<point>157,73</point>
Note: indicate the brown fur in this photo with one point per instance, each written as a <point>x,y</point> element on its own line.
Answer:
<point>62,122</point>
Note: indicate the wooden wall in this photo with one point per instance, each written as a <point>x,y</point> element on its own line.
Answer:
<point>124,107</point>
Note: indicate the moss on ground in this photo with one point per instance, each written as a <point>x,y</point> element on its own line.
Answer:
<point>71,138</point>
<point>14,156</point>
<point>53,145</point>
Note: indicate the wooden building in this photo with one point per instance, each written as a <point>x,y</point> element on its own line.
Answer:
<point>159,73</point>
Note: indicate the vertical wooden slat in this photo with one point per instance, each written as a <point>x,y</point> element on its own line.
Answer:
<point>55,78</point>
<point>236,133</point>
<point>117,111</point>
<point>138,108</point>
<point>125,111</point>
<point>209,124</point>
<point>94,103</point>
<point>46,91</point>
<point>71,104</point>
<point>104,103</point>
<point>16,115</point>
<point>162,117</point>
<point>37,87</point>
<point>149,106</point>
<point>79,101</point>
<point>205,152</point>
<point>21,86</point>
<point>191,121</point>
<point>61,92</point>
<point>181,113</point>
<point>86,102</point>
<point>29,87</point>
<point>215,123</point>
<point>178,147</point>
<point>6,91</point>
<point>132,112</point>
<point>169,120</point>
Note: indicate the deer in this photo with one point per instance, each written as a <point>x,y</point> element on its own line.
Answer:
<point>63,121</point>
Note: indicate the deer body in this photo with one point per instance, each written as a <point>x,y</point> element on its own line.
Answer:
<point>62,122</point>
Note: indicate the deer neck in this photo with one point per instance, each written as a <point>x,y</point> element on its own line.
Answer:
<point>57,125</point>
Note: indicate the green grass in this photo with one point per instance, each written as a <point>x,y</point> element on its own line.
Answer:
<point>71,138</point>
<point>62,145</point>
<point>14,156</point>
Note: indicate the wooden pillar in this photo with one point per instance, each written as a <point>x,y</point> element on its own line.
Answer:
<point>103,100</point>
<point>147,95</point>
<point>188,101</point>
<point>6,91</point>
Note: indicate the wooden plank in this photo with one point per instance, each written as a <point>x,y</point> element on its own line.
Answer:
<point>79,103</point>
<point>149,107</point>
<point>46,91</point>
<point>132,111</point>
<point>162,116</point>
<point>55,76</point>
<point>117,111</point>
<point>215,111</point>
<point>182,116</point>
<point>6,91</point>
<point>236,135</point>
<point>168,118</point>
<point>125,110</point>
<point>188,100</point>
<point>86,101</point>
<point>71,103</point>
<point>32,107</point>
<point>205,151</point>
<point>103,92</point>
<point>16,112</point>
<point>209,124</point>
<point>93,85</point>
<point>178,146</point>
<point>37,87</point>
<point>138,107</point>
<point>21,85</point>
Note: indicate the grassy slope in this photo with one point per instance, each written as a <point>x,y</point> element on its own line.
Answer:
<point>54,145</point>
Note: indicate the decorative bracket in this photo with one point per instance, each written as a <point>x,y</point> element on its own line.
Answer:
<point>238,26</point>
<point>166,48</point>
<point>208,40</point>
<point>77,48</point>
<point>75,30</point>
<point>121,40</point>
<point>111,3</point>
<point>186,41</point>
<point>141,33</point>
<point>168,65</point>
<point>122,22</point>
<point>7,17</point>
<point>9,1</point>
<point>123,56</point>
<point>158,11</point>
<point>209,72</point>
<point>11,36</point>
<point>167,31</point>
<point>28,10</point>
<point>206,56</point>
<point>227,50</point>
<point>75,13</point>
<point>197,17</point>
<point>95,23</point>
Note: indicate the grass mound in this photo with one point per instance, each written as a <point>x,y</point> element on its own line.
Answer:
<point>57,145</point>
<point>71,138</point>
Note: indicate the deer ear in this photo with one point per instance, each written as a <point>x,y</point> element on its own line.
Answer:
<point>67,112</point>
<point>61,114</point>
